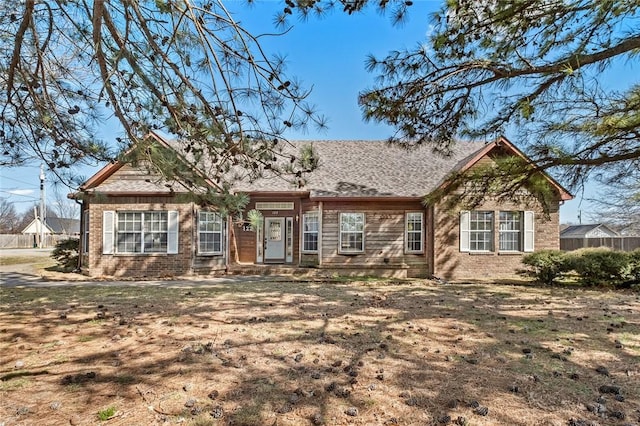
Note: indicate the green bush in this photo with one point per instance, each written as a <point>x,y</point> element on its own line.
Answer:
<point>546,266</point>
<point>66,253</point>
<point>601,266</point>
<point>634,266</point>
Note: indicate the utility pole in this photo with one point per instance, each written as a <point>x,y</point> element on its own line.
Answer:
<point>42,206</point>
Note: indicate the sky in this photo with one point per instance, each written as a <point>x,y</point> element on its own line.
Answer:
<point>328,54</point>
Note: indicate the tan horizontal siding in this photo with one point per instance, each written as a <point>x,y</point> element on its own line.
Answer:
<point>384,236</point>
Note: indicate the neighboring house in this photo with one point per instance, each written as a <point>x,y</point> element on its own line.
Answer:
<point>54,226</point>
<point>575,237</point>
<point>360,212</point>
<point>595,230</point>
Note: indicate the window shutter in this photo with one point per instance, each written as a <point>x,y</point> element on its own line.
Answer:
<point>108,231</point>
<point>529,235</point>
<point>172,232</point>
<point>465,217</point>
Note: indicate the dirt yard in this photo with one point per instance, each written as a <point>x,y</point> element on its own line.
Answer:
<point>313,353</point>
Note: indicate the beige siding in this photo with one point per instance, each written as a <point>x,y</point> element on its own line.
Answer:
<point>384,237</point>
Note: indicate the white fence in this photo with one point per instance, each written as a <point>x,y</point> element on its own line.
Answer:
<point>29,240</point>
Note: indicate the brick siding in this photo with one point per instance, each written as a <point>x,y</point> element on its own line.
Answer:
<point>139,265</point>
<point>452,264</point>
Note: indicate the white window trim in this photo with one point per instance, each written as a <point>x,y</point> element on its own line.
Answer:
<point>351,251</point>
<point>221,232</point>
<point>110,232</point>
<point>527,236</point>
<point>519,231</point>
<point>407,232</point>
<point>305,215</point>
<point>492,233</point>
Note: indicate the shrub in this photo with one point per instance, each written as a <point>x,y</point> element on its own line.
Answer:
<point>634,266</point>
<point>66,253</point>
<point>601,266</point>
<point>547,266</point>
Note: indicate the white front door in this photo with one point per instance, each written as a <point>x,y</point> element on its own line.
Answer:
<point>274,236</point>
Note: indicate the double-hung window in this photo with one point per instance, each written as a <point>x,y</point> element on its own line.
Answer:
<point>310,232</point>
<point>351,233</point>
<point>132,232</point>
<point>481,231</point>
<point>414,232</point>
<point>210,228</point>
<point>510,231</point>
<point>141,232</point>
<point>155,232</point>
<point>515,231</point>
<point>129,232</point>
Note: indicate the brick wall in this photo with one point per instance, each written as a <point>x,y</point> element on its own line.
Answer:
<point>140,265</point>
<point>452,264</point>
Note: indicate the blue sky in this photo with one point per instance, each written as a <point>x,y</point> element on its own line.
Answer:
<point>327,54</point>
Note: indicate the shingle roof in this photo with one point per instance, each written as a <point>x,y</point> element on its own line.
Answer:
<point>353,168</point>
<point>580,231</point>
<point>372,169</point>
<point>139,186</point>
<point>61,225</point>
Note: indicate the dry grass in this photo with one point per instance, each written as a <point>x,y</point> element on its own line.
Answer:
<point>19,260</point>
<point>263,353</point>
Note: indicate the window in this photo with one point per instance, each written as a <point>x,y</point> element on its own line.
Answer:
<point>351,232</point>
<point>274,206</point>
<point>289,257</point>
<point>510,235</point>
<point>310,232</point>
<point>209,232</point>
<point>85,232</point>
<point>481,231</point>
<point>515,231</point>
<point>155,232</point>
<point>129,233</point>
<point>414,232</point>
<point>142,232</point>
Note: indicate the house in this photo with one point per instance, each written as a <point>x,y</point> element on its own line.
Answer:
<point>595,230</point>
<point>575,237</point>
<point>361,212</point>
<point>53,226</point>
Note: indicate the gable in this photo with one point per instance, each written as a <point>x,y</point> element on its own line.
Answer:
<point>35,228</point>
<point>595,230</point>
<point>481,162</point>
<point>127,178</point>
